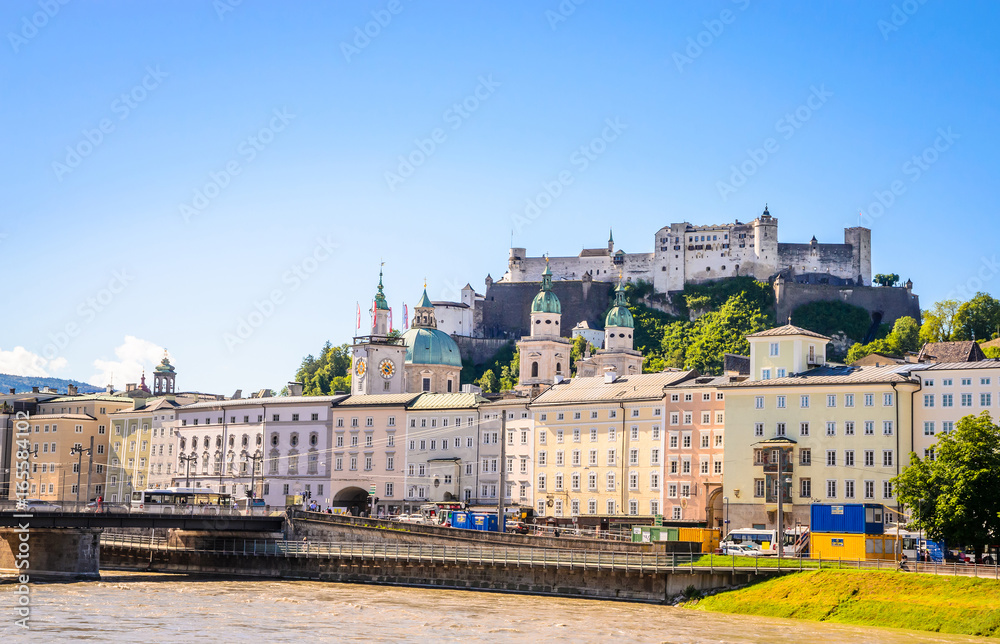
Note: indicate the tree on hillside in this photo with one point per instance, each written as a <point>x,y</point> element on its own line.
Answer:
<point>489,383</point>
<point>328,373</point>
<point>722,331</point>
<point>992,352</point>
<point>858,350</point>
<point>674,343</point>
<point>885,279</point>
<point>956,495</point>
<point>578,350</point>
<point>511,373</point>
<point>905,335</point>
<point>939,322</point>
<point>977,319</point>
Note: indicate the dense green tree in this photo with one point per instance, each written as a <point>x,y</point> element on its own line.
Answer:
<point>885,279</point>
<point>939,322</point>
<point>722,331</point>
<point>511,373</point>
<point>676,339</point>
<point>328,373</point>
<point>956,495</point>
<point>577,351</point>
<point>489,383</point>
<point>977,319</point>
<point>905,335</point>
<point>992,352</point>
<point>858,350</point>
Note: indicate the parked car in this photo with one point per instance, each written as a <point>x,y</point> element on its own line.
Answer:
<point>517,527</point>
<point>410,518</point>
<point>742,550</point>
<point>107,507</point>
<point>38,505</point>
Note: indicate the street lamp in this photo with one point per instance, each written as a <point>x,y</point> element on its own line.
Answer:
<point>188,459</point>
<point>79,450</point>
<point>725,500</point>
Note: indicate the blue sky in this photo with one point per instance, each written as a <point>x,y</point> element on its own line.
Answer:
<point>290,126</point>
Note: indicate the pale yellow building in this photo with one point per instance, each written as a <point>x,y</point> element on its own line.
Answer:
<point>599,446</point>
<point>65,423</point>
<point>837,433</point>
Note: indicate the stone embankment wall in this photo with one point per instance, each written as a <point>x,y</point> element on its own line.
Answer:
<point>537,579</point>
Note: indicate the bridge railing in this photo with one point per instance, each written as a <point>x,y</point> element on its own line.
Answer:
<point>533,557</point>
<point>126,508</point>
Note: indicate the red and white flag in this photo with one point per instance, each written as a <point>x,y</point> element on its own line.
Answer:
<point>359,315</point>
<point>406,317</point>
<point>390,319</point>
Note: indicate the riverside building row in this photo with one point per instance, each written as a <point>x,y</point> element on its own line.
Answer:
<point>612,442</point>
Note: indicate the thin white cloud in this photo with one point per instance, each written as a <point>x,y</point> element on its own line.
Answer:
<point>133,356</point>
<point>21,362</point>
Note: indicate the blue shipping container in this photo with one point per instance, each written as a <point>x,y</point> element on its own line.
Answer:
<point>461,520</point>
<point>484,522</point>
<point>850,518</point>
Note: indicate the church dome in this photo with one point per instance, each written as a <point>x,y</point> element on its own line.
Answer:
<point>619,315</point>
<point>546,301</point>
<point>431,346</point>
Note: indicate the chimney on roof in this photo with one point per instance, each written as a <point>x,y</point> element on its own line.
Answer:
<point>109,389</point>
<point>70,390</point>
<point>295,389</point>
<point>13,390</point>
<point>34,390</point>
<point>610,374</point>
<point>238,394</point>
<point>129,386</point>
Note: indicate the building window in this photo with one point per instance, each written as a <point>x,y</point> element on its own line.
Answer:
<point>869,400</point>
<point>805,456</point>
<point>887,428</point>
<point>928,400</point>
<point>831,458</point>
<point>831,400</point>
<point>848,489</point>
<point>758,402</point>
<point>804,401</point>
<point>758,488</point>
<point>928,428</point>
<point>869,489</point>
<point>803,429</point>
<point>887,458</point>
<point>869,428</point>
<point>805,488</point>
<point>780,402</point>
<point>773,349</point>
<point>831,489</point>
<point>886,489</point>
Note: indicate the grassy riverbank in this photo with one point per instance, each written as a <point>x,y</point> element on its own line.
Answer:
<point>886,599</point>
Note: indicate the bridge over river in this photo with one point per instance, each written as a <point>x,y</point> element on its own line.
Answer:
<point>66,545</point>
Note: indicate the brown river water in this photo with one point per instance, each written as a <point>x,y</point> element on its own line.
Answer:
<point>134,607</point>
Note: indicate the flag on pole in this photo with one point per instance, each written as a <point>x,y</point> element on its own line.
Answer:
<point>374,313</point>
<point>390,319</point>
<point>359,315</point>
<point>406,317</point>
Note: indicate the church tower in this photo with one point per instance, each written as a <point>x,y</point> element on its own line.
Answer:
<point>618,356</point>
<point>544,353</point>
<point>163,377</point>
<point>433,359</point>
<point>377,359</point>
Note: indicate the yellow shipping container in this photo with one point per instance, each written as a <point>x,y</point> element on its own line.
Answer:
<point>839,545</point>
<point>707,537</point>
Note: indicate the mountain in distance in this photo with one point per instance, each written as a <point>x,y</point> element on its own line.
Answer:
<point>23,384</point>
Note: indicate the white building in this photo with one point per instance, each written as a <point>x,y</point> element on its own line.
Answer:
<point>288,438</point>
<point>456,318</point>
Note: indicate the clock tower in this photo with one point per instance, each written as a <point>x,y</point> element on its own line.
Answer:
<point>377,359</point>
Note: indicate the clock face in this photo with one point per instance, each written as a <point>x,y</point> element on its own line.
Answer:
<point>360,367</point>
<point>387,368</point>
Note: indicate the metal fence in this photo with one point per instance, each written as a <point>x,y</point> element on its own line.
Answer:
<point>535,557</point>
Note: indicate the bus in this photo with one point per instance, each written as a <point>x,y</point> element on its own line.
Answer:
<point>181,500</point>
<point>796,540</point>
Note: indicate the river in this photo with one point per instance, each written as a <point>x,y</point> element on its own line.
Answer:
<point>135,607</point>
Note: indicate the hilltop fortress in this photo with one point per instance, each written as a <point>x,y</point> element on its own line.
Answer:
<point>687,254</point>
